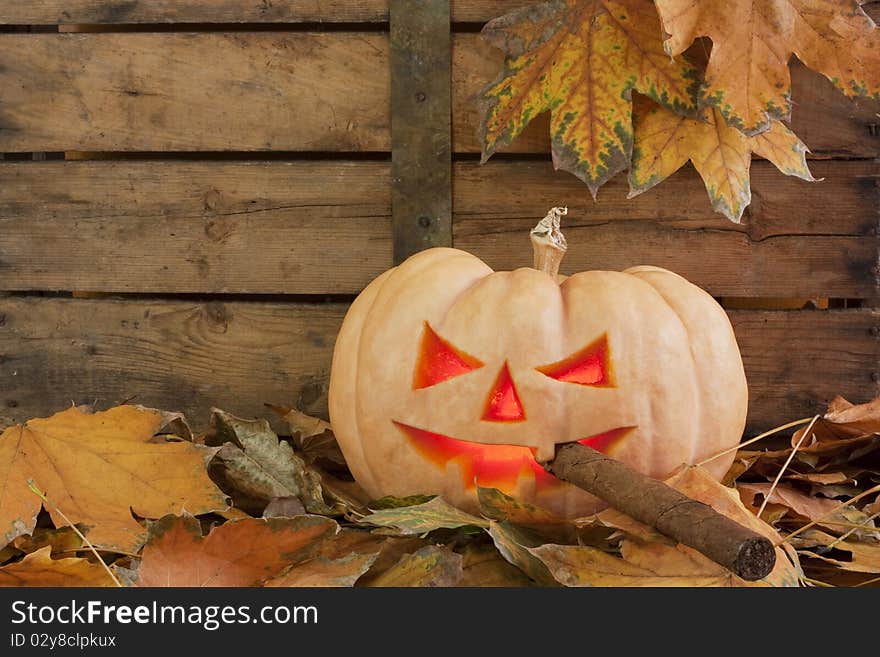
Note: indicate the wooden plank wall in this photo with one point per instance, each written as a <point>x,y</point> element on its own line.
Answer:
<point>217,187</point>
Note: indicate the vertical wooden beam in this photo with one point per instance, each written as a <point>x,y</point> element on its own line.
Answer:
<point>421,131</point>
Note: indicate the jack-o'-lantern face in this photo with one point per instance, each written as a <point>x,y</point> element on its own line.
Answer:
<point>447,375</point>
<point>500,466</point>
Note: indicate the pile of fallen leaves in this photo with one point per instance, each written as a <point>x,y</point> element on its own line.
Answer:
<point>130,497</point>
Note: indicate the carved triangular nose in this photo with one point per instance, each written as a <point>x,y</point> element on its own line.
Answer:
<point>504,404</point>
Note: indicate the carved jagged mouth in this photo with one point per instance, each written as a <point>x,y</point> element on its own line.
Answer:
<point>496,466</point>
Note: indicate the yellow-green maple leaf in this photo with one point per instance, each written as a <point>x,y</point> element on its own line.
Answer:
<point>581,59</point>
<point>721,154</point>
<point>747,77</point>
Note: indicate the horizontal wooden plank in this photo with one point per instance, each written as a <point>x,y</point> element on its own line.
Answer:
<point>731,264</point>
<point>190,92</point>
<point>108,12</point>
<point>798,239</point>
<point>797,361</point>
<point>843,202</point>
<point>61,12</point>
<point>324,227</point>
<point>282,91</point>
<point>51,12</point>
<point>276,227</point>
<point>189,356</point>
<point>726,263</point>
<point>167,354</point>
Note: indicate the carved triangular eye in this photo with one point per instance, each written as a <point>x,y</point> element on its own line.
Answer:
<point>591,366</point>
<point>438,361</point>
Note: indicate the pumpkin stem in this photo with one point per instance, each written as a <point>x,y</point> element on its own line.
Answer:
<point>549,243</point>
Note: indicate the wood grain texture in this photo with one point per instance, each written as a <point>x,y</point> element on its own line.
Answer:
<point>797,361</point>
<point>51,12</point>
<point>798,239</point>
<point>324,227</point>
<point>421,141</point>
<point>278,227</point>
<point>182,355</point>
<point>257,91</point>
<point>844,202</point>
<point>108,12</point>
<point>190,356</point>
<point>191,92</point>
<point>724,262</point>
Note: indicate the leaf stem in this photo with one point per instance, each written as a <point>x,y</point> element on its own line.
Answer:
<point>739,446</point>
<point>785,467</point>
<point>82,536</point>
<point>855,527</point>
<point>873,580</point>
<point>831,512</point>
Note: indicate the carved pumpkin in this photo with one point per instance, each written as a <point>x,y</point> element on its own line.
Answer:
<point>447,375</point>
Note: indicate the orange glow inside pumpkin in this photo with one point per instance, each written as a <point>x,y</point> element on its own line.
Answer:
<point>495,466</point>
<point>503,404</point>
<point>588,367</point>
<point>603,442</point>
<point>438,361</point>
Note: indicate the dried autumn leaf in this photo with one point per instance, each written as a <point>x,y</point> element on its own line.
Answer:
<point>722,155</point>
<point>391,552</point>
<point>40,569</point>
<point>98,469</point>
<point>284,507</point>
<point>173,423</point>
<point>324,572</point>
<point>233,514</point>
<point>238,553</point>
<point>863,557</point>
<point>821,510</point>
<point>581,59</point>
<point>302,425</point>
<point>840,440</point>
<point>59,540</point>
<point>579,565</point>
<point>259,465</point>
<point>339,562</point>
<point>8,554</point>
<point>499,506</point>
<point>313,436</point>
<point>747,77</point>
<point>823,478</point>
<point>515,544</point>
<point>346,496</point>
<point>484,566</point>
<point>432,566</point>
<point>423,518</point>
<point>391,502</point>
<point>547,527</point>
<point>844,420</point>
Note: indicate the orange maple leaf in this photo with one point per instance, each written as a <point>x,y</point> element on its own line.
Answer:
<point>238,553</point>
<point>747,77</point>
<point>40,569</point>
<point>721,154</point>
<point>98,468</point>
